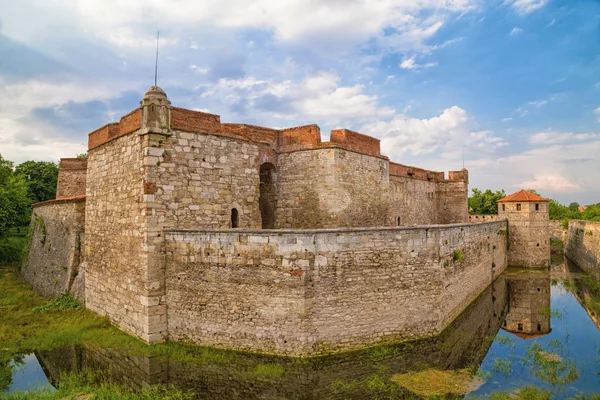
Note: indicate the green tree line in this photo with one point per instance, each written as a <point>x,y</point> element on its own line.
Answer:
<point>486,203</point>
<point>20,187</point>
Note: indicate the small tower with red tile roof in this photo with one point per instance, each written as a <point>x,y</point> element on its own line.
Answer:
<point>528,229</point>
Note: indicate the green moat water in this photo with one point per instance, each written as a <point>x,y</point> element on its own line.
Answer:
<point>475,355</point>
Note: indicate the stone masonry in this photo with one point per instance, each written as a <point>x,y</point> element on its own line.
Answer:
<point>528,229</point>
<point>317,280</point>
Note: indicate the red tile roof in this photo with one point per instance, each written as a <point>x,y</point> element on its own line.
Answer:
<point>526,336</point>
<point>522,196</point>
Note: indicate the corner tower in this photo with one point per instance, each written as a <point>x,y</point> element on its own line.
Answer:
<point>528,224</point>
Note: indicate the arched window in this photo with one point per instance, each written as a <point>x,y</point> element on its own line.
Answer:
<point>235,218</point>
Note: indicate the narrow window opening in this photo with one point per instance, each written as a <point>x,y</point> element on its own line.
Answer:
<point>504,323</point>
<point>539,327</point>
<point>518,207</point>
<point>235,218</point>
<point>520,326</point>
<point>503,207</point>
<point>537,207</point>
<point>538,245</point>
<point>398,221</point>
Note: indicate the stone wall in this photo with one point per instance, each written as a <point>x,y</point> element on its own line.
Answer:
<point>232,375</point>
<point>315,292</point>
<point>414,201</point>
<point>529,237</point>
<point>71,177</point>
<point>332,187</point>
<point>116,271</point>
<point>583,246</point>
<point>200,178</point>
<point>56,244</point>
<point>557,232</point>
<point>477,219</point>
<point>452,198</point>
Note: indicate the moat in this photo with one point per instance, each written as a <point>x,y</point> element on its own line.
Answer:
<point>554,345</point>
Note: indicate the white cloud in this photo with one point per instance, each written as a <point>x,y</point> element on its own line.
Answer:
<point>507,119</point>
<point>597,112</point>
<point>526,6</point>
<point>515,31</point>
<point>319,97</point>
<point>452,131</point>
<point>560,137</point>
<point>538,103</point>
<point>399,25</point>
<point>409,63</point>
<point>553,183</point>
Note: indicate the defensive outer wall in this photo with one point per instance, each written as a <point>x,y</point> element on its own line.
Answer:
<point>582,245</point>
<point>331,270</point>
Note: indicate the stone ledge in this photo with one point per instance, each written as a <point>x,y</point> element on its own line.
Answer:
<point>331,230</point>
<point>73,199</point>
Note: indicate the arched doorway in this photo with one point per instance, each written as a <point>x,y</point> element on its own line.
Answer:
<point>268,195</point>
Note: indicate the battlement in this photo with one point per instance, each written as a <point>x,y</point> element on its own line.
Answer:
<point>415,173</point>
<point>129,123</point>
<point>355,141</point>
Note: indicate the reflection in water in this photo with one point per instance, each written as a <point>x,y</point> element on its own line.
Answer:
<point>353,375</point>
<point>529,305</point>
<point>562,355</point>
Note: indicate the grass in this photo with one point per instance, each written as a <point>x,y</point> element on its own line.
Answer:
<point>30,322</point>
<point>432,382</point>
<point>458,255</point>
<point>89,384</point>
<point>65,302</point>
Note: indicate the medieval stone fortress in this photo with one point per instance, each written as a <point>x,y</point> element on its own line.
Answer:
<point>180,227</point>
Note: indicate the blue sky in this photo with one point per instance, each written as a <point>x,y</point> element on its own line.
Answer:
<point>511,86</point>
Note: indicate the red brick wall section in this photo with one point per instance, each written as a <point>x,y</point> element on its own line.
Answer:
<point>414,172</point>
<point>101,135</point>
<point>300,138</point>
<point>130,122</point>
<point>257,134</point>
<point>355,141</point>
<point>194,121</point>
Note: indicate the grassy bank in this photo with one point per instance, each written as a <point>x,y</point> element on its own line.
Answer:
<point>31,323</point>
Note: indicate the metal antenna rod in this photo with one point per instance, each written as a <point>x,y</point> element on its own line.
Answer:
<point>156,64</point>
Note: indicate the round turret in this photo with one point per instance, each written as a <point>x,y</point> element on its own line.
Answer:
<point>155,92</point>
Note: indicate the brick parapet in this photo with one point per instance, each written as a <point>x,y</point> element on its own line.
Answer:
<point>129,123</point>
<point>355,141</point>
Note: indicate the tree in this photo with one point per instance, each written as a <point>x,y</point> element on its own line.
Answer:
<point>15,205</point>
<point>485,202</point>
<point>574,206</point>
<point>41,177</point>
<point>560,211</point>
